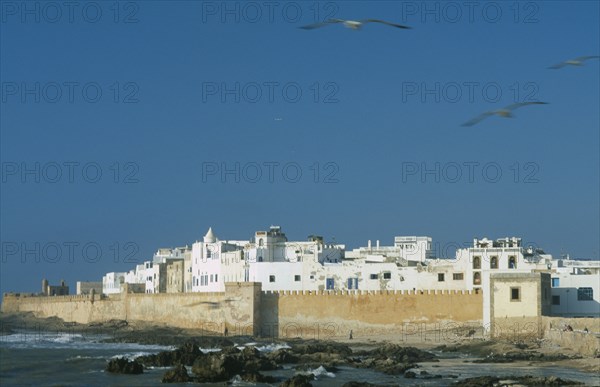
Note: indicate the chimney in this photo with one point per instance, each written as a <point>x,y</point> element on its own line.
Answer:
<point>377,244</point>
<point>369,245</point>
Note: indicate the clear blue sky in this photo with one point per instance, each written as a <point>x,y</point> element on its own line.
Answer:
<point>371,120</point>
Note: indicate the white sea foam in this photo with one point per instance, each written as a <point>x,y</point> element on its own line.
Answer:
<point>268,347</point>
<point>321,371</point>
<point>208,350</point>
<point>132,355</point>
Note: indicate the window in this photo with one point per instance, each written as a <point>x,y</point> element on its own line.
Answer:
<point>260,259</point>
<point>352,283</point>
<point>208,253</point>
<point>585,294</point>
<point>494,262</point>
<point>312,277</point>
<point>329,283</point>
<point>476,278</point>
<point>216,278</point>
<point>457,276</point>
<point>555,300</point>
<point>387,275</point>
<point>477,262</point>
<point>271,278</point>
<point>211,278</point>
<point>512,262</point>
<point>441,277</point>
<point>555,282</point>
<point>297,278</point>
<point>374,276</point>
<point>515,294</point>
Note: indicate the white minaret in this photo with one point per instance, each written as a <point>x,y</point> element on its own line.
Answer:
<point>210,236</point>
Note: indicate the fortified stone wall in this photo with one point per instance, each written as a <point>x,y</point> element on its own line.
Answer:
<point>211,311</point>
<point>326,314</point>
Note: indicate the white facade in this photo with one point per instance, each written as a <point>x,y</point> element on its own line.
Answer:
<point>313,265</point>
<point>575,288</point>
<point>111,282</point>
<point>501,255</point>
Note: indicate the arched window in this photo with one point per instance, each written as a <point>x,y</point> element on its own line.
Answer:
<point>494,262</point>
<point>260,242</point>
<point>477,278</point>
<point>512,263</point>
<point>476,262</point>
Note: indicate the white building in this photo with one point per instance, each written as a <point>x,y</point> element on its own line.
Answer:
<point>313,265</point>
<point>111,282</point>
<point>207,269</point>
<point>502,255</point>
<point>575,288</point>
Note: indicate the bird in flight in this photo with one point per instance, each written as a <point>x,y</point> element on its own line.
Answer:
<point>352,24</point>
<point>573,62</point>
<point>505,112</point>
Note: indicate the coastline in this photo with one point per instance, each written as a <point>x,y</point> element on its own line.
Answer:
<point>543,352</point>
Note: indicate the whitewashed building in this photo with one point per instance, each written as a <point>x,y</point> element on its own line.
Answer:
<point>111,282</point>
<point>575,288</point>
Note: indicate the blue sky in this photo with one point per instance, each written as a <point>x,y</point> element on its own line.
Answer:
<point>179,84</point>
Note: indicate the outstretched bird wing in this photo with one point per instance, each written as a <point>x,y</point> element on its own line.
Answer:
<point>321,24</point>
<point>521,104</point>
<point>582,58</point>
<point>478,119</point>
<point>558,65</point>
<point>386,23</point>
<point>578,59</point>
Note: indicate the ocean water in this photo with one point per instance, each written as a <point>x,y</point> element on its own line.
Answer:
<point>68,359</point>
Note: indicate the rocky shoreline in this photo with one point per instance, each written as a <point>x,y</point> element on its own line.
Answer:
<point>239,357</point>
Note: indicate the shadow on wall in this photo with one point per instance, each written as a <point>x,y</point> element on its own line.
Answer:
<point>269,315</point>
<point>574,302</point>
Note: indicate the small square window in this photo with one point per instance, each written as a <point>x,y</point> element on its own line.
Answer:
<point>297,278</point>
<point>458,276</point>
<point>515,294</point>
<point>555,282</point>
<point>387,275</point>
<point>374,276</point>
<point>312,277</point>
<point>555,300</point>
<point>271,278</point>
<point>441,277</point>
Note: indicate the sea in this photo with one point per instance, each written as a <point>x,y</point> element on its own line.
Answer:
<point>33,358</point>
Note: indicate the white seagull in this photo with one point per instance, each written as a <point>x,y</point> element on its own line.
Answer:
<point>505,112</point>
<point>352,24</point>
<point>573,62</point>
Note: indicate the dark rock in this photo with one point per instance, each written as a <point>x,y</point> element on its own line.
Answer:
<point>410,375</point>
<point>176,375</point>
<point>491,381</point>
<point>359,384</point>
<point>217,367</point>
<point>186,355</point>
<point>513,356</point>
<point>322,347</point>
<point>402,354</point>
<point>123,366</point>
<point>299,381</point>
<point>257,377</point>
<point>283,356</point>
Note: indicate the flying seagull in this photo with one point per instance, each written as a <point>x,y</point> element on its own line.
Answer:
<point>352,24</point>
<point>573,62</point>
<point>505,112</point>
